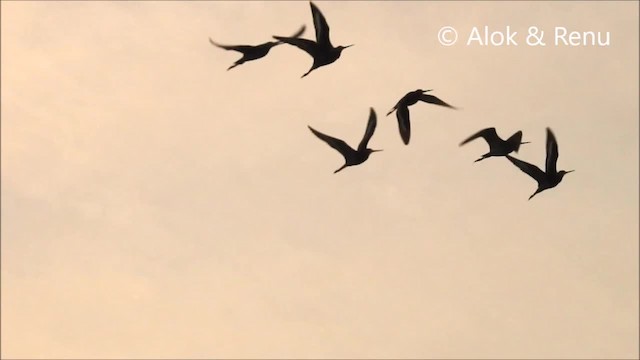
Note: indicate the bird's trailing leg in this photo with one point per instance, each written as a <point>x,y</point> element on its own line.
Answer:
<point>392,110</point>
<point>239,62</point>
<point>307,73</point>
<point>483,157</point>
<point>518,146</point>
<point>534,194</point>
<point>343,166</point>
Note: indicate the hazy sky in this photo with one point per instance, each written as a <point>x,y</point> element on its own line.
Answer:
<point>156,205</point>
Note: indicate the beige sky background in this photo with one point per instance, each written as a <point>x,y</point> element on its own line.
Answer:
<point>155,205</point>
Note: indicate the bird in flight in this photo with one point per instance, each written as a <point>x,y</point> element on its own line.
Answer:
<point>550,177</point>
<point>497,146</point>
<point>351,156</point>
<point>402,108</point>
<point>253,52</point>
<point>321,50</point>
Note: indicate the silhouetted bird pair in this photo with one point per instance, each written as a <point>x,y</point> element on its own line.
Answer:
<point>547,179</point>
<point>355,157</point>
<point>321,50</point>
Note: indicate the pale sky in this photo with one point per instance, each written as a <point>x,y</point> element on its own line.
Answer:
<point>155,205</point>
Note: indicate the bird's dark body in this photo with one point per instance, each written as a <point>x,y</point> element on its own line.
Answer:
<point>402,110</point>
<point>411,98</point>
<point>326,57</point>
<point>258,51</point>
<point>352,156</point>
<point>253,52</point>
<point>321,50</point>
<point>497,146</point>
<point>549,178</point>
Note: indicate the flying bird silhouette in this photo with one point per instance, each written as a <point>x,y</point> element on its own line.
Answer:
<point>546,179</point>
<point>351,156</point>
<point>253,52</point>
<point>321,50</point>
<point>497,146</point>
<point>402,108</point>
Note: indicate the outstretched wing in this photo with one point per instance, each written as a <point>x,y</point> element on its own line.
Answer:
<point>489,134</point>
<point>404,125</point>
<point>371,128</point>
<point>337,144</point>
<point>528,169</point>
<point>240,48</point>
<point>552,152</point>
<point>322,28</point>
<point>434,100</point>
<point>307,45</point>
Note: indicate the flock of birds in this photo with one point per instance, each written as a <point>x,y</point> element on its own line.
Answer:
<point>324,53</point>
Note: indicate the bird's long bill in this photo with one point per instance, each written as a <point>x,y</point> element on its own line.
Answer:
<point>570,171</point>
<point>349,46</point>
<point>526,142</point>
<point>376,150</point>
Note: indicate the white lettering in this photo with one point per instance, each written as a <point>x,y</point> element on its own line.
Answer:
<point>576,38</point>
<point>495,38</point>
<point>561,32</point>
<point>474,36</point>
